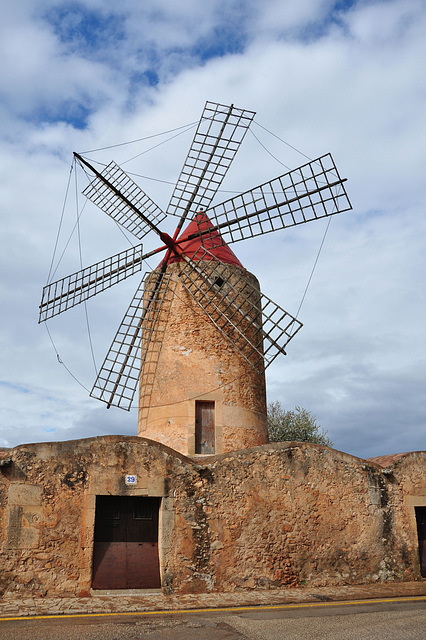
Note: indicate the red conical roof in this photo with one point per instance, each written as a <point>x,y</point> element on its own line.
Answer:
<point>222,252</point>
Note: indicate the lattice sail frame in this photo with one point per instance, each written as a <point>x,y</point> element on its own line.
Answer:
<point>115,203</point>
<point>82,285</point>
<point>217,139</point>
<point>119,375</point>
<point>258,328</point>
<point>310,192</point>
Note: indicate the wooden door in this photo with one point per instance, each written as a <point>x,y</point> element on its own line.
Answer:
<point>421,531</point>
<point>125,551</point>
<point>204,427</point>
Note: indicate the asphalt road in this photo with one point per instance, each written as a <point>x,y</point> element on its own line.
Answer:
<point>397,620</point>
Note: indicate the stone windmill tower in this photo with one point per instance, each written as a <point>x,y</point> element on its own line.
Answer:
<point>198,333</point>
<point>198,394</point>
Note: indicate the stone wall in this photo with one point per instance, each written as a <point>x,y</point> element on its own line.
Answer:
<point>283,514</point>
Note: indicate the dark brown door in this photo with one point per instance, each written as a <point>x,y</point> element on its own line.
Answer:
<point>204,427</point>
<point>125,552</point>
<point>421,531</point>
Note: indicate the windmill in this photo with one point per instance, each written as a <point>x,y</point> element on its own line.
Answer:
<point>200,295</point>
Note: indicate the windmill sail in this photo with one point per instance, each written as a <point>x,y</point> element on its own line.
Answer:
<point>66,293</point>
<point>219,135</point>
<point>113,191</point>
<point>119,375</point>
<point>314,190</point>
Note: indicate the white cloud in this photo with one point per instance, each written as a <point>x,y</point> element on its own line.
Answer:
<point>277,19</point>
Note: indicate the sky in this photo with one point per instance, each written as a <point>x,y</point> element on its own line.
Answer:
<point>341,77</point>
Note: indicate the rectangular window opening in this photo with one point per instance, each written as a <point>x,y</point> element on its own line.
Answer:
<point>204,427</point>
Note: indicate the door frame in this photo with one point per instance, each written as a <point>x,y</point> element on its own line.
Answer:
<point>165,524</point>
<point>126,554</point>
<point>412,502</point>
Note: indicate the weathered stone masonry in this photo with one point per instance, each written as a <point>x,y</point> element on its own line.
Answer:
<point>283,514</point>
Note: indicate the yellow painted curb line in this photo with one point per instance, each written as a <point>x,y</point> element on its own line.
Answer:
<point>220,610</point>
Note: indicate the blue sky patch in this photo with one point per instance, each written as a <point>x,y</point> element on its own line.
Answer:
<point>85,30</point>
<point>14,387</point>
<point>148,77</point>
<point>223,41</point>
<point>70,111</point>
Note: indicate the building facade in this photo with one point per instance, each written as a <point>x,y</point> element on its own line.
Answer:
<point>126,512</point>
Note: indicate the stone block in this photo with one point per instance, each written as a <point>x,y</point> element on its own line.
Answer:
<point>25,495</point>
